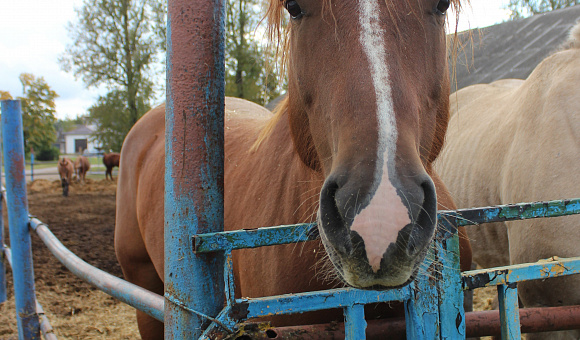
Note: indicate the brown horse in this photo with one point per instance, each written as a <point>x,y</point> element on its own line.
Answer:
<point>65,170</point>
<point>110,160</point>
<point>355,155</point>
<point>82,165</point>
<point>518,141</point>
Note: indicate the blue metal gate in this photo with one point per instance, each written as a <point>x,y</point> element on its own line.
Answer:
<point>433,305</point>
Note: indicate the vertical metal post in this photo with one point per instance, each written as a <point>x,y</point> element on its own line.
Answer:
<point>32,166</point>
<point>509,312</point>
<point>451,311</point>
<point>194,177</point>
<point>355,324</point>
<point>27,319</point>
<point>2,255</point>
<point>422,311</point>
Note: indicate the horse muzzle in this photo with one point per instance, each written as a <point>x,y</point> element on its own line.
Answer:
<point>377,237</point>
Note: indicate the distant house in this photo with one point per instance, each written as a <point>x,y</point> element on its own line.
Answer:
<point>79,140</point>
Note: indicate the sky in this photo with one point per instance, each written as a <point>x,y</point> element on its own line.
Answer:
<point>33,36</point>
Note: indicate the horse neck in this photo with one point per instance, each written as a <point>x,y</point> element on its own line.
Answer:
<point>277,187</point>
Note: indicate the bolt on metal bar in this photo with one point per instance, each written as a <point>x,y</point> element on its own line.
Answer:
<point>509,312</point>
<point>23,273</point>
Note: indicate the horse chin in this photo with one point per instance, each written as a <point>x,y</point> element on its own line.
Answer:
<point>397,268</point>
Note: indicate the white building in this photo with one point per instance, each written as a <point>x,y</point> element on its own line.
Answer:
<point>79,140</point>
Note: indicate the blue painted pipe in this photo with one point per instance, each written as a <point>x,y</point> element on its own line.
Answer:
<point>45,326</point>
<point>27,319</point>
<point>2,256</point>
<point>194,164</point>
<point>131,294</point>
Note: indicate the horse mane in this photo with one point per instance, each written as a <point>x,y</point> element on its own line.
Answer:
<point>278,33</point>
<point>573,41</point>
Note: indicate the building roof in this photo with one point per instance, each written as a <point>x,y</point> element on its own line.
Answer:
<point>80,130</point>
<point>512,49</point>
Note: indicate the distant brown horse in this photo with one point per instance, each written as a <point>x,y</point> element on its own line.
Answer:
<point>351,146</point>
<point>82,166</point>
<point>110,160</point>
<point>65,170</point>
<point>519,141</point>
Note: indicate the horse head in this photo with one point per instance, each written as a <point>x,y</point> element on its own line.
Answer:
<point>368,107</point>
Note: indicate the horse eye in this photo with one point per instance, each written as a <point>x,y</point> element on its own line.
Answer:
<point>293,8</point>
<point>442,6</point>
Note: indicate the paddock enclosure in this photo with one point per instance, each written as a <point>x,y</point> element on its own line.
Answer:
<point>434,302</point>
<point>84,222</point>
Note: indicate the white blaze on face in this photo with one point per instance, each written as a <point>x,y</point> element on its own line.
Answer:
<point>379,223</point>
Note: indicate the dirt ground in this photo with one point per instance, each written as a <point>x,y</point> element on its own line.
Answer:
<point>84,222</point>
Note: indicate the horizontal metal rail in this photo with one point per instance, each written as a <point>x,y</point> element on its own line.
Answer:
<point>313,301</point>
<point>45,326</point>
<point>142,299</point>
<point>252,238</point>
<point>484,323</point>
<point>520,272</point>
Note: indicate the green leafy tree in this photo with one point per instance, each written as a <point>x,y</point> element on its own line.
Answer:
<point>524,8</point>
<point>250,62</point>
<point>38,116</point>
<point>118,44</point>
<point>112,119</point>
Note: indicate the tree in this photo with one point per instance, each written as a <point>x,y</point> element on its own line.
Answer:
<point>5,95</point>
<point>38,115</point>
<point>111,119</point>
<point>249,60</point>
<point>524,8</point>
<point>117,43</point>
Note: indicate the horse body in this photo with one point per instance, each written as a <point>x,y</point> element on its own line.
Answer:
<point>517,141</point>
<point>65,171</point>
<point>110,160</point>
<point>82,166</point>
<point>356,157</point>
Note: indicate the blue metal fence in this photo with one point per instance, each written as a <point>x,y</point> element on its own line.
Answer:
<point>433,307</point>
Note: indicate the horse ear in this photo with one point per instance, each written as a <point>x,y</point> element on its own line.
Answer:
<point>302,138</point>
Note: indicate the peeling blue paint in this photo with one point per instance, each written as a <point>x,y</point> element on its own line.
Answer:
<point>22,269</point>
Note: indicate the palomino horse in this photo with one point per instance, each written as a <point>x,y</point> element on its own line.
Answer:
<point>518,141</point>
<point>356,155</point>
<point>110,160</point>
<point>82,165</point>
<point>65,170</point>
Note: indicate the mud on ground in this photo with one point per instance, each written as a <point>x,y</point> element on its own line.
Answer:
<point>84,222</point>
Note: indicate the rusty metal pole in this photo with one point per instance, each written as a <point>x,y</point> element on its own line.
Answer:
<point>194,142</point>
<point>22,270</point>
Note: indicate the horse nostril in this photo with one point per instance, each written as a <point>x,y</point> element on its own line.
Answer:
<point>424,226</point>
<point>332,224</point>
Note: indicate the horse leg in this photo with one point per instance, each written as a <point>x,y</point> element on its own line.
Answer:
<point>64,185</point>
<point>108,173</point>
<point>144,275</point>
